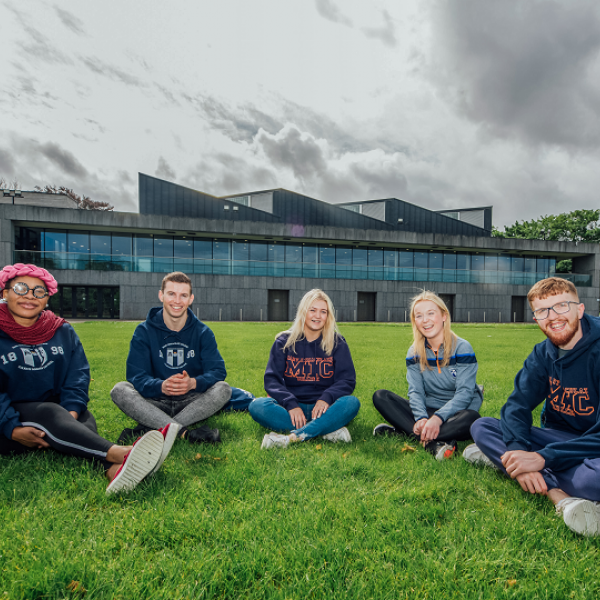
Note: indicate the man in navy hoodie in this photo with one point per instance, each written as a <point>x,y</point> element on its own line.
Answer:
<point>561,460</point>
<point>174,370</point>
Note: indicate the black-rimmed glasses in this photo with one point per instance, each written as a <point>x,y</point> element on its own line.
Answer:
<point>560,308</point>
<point>22,289</point>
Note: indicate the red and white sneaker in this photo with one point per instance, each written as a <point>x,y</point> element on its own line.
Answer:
<point>170,433</point>
<point>139,461</point>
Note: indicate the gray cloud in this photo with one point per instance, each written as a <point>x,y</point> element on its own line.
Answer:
<point>298,152</point>
<point>39,47</point>
<point>523,70</point>
<point>329,10</point>
<point>386,33</point>
<point>65,160</point>
<point>225,173</point>
<point>7,165</point>
<point>102,68</point>
<point>386,181</point>
<point>164,170</point>
<point>33,163</point>
<point>70,21</point>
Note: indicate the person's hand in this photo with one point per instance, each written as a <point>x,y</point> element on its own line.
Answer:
<point>30,437</point>
<point>74,414</point>
<point>419,426</point>
<point>319,409</point>
<point>178,384</point>
<point>517,462</point>
<point>533,483</point>
<point>297,417</point>
<point>431,429</point>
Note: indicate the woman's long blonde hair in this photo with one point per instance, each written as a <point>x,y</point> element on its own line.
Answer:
<point>450,337</point>
<point>296,331</point>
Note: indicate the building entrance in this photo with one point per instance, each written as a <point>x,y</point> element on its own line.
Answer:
<point>449,302</point>
<point>366,306</point>
<point>517,309</point>
<point>278,303</point>
<point>86,302</point>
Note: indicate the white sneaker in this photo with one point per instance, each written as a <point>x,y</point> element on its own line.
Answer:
<point>341,435</point>
<point>139,461</point>
<point>169,433</point>
<point>472,454</point>
<point>275,440</point>
<point>580,515</point>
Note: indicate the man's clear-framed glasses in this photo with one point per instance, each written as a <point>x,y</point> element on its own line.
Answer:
<point>560,308</point>
<point>22,289</point>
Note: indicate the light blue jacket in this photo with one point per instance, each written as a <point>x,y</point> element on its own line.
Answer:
<point>448,389</point>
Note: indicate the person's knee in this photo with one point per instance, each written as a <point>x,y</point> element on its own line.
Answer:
<point>380,397</point>
<point>121,390</point>
<point>258,406</point>
<point>481,427</point>
<point>351,405</point>
<point>471,415</point>
<point>47,412</point>
<point>223,389</point>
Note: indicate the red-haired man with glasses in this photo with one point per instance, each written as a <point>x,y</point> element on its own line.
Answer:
<point>560,460</point>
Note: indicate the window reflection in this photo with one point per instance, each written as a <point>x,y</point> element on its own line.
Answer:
<point>61,249</point>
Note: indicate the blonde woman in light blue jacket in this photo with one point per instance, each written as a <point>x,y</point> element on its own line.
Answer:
<point>443,395</point>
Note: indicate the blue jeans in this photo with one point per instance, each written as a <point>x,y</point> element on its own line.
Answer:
<point>268,413</point>
<point>581,481</point>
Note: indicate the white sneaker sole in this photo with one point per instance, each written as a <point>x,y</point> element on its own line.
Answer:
<point>583,517</point>
<point>142,458</point>
<point>341,435</point>
<point>274,440</point>
<point>472,454</point>
<point>169,440</point>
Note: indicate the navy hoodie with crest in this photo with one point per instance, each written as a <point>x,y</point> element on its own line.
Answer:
<point>571,388</point>
<point>157,352</point>
<point>306,374</point>
<point>49,371</point>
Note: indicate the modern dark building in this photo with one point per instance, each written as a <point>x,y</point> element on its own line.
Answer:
<point>252,256</point>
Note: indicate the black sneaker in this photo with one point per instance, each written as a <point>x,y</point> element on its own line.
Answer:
<point>385,429</point>
<point>129,435</point>
<point>442,450</point>
<point>203,434</point>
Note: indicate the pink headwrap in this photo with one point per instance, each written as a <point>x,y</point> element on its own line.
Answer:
<point>20,270</point>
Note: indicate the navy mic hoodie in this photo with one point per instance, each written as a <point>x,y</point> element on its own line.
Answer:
<point>571,387</point>
<point>157,352</point>
<point>308,374</point>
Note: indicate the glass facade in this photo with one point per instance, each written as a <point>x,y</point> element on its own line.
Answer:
<point>85,250</point>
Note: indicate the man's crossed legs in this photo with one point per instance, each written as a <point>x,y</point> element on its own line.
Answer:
<point>186,410</point>
<point>574,491</point>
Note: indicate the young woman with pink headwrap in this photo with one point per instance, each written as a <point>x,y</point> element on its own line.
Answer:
<point>44,381</point>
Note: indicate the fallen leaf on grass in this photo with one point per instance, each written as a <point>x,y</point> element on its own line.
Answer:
<point>511,582</point>
<point>216,458</point>
<point>407,448</point>
<point>319,446</point>
<point>346,454</point>
<point>198,456</point>
<point>75,586</point>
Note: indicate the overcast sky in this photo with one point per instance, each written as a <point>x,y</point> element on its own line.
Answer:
<point>443,103</point>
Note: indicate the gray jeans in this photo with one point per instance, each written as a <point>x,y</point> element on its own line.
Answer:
<point>158,412</point>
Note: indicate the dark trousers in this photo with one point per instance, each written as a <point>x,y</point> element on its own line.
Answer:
<point>396,411</point>
<point>76,437</point>
<point>581,480</point>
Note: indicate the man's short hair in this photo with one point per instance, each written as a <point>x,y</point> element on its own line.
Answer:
<point>176,277</point>
<point>551,287</point>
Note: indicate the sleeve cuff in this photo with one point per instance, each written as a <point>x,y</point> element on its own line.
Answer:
<point>517,446</point>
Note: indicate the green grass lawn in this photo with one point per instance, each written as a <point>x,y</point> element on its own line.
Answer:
<point>317,520</point>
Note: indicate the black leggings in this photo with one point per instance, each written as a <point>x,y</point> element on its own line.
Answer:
<point>76,437</point>
<point>396,410</point>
